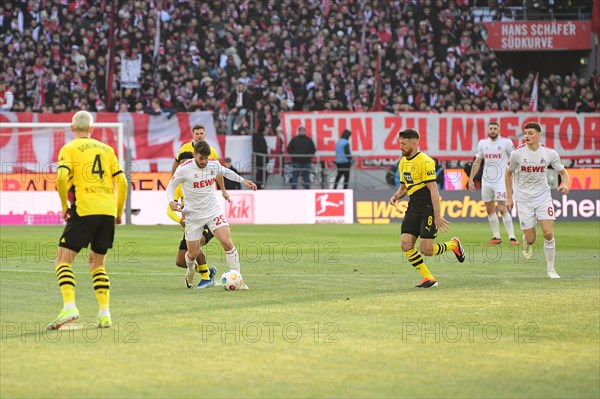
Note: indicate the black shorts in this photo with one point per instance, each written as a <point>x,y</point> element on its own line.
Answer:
<point>207,234</point>
<point>419,221</point>
<point>81,231</point>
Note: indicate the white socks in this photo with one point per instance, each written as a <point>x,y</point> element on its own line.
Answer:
<point>549,250</point>
<point>191,264</point>
<point>232,259</point>
<point>508,224</point>
<point>495,224</point>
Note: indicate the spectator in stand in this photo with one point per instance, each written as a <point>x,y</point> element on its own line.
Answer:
<point>587,103</point>
<point>261,158</point>
<point>230,184</point>
<point>239,103</point>
<point>302,149</point>
<point>157,109</point>
<point>287,56</point>
<point>343,159</point>
<point>7,97</point>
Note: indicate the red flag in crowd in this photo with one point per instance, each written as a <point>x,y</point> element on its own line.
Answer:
<point>534,94</point>
<point>325,6</point>
<point>378,105</point>
<point>111,58</point>
<point>596,18</point>
<point>361,51</point>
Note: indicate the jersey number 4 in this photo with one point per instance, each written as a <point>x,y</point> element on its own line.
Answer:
<point>97,167</point>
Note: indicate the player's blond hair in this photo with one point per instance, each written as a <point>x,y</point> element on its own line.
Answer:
<point>82,121</point>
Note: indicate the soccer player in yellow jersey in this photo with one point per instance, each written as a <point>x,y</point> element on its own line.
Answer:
<point>423,217</point>
<point>91,170</point>
<point>198,134</point>
<point>207,235</point>
<point>184,153</point>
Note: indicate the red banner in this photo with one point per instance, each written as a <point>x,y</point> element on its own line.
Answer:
<point>450,136</point>
<point>153,140</point>
<point>538,35</point>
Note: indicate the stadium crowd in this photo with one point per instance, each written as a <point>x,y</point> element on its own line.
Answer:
<point>262,57</point>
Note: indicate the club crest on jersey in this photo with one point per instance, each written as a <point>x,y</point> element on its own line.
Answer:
<point>542,160</point>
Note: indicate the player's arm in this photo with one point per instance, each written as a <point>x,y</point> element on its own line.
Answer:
<point>564,181</point>
<point>474,170</point>
<point>562,172</point>
<point>173,183</point>
<point>63,174</point>
<point>62,186</point>
<point>399,194</point>
<point>174,166</point>
<point>508,179</point>
<point>219,177</point>
<point>173,215</point>
<point>231,175</point>
<point>121,181</point>
<point>176,161</point>
<point>440,222</point>
<point>221,183</point>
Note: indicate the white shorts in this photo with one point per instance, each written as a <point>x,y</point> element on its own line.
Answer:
<point>491,193</point>
<point>194,228</point>
<point>530,212</point>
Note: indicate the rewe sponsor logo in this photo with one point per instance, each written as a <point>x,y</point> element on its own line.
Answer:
<point>204,183</point>
<point>493,156</point>
<point>533,169</point>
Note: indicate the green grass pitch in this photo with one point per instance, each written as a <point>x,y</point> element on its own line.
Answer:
<point>331,312</point>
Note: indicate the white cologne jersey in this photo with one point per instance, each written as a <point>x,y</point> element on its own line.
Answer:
<point>198,187</point>
<point>529,171</point>
<point>495,154</point>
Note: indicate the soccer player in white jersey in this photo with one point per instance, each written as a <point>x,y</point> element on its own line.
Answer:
<point>197,177</point>
<point>496,151</point>
<point>527,170</point>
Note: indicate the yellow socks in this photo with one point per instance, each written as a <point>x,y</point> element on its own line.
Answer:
<point>66,283</point>
<point>416,260</point>
<point>203,270</point>
<point>101,287</point>
<point>443,247</point>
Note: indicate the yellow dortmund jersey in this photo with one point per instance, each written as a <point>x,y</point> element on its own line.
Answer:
<point>414,173</point>
<point>178,197</point>
<point>189,147</point>
<point>91,165</point>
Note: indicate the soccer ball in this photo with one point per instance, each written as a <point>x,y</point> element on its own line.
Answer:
<point>231,280</point>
